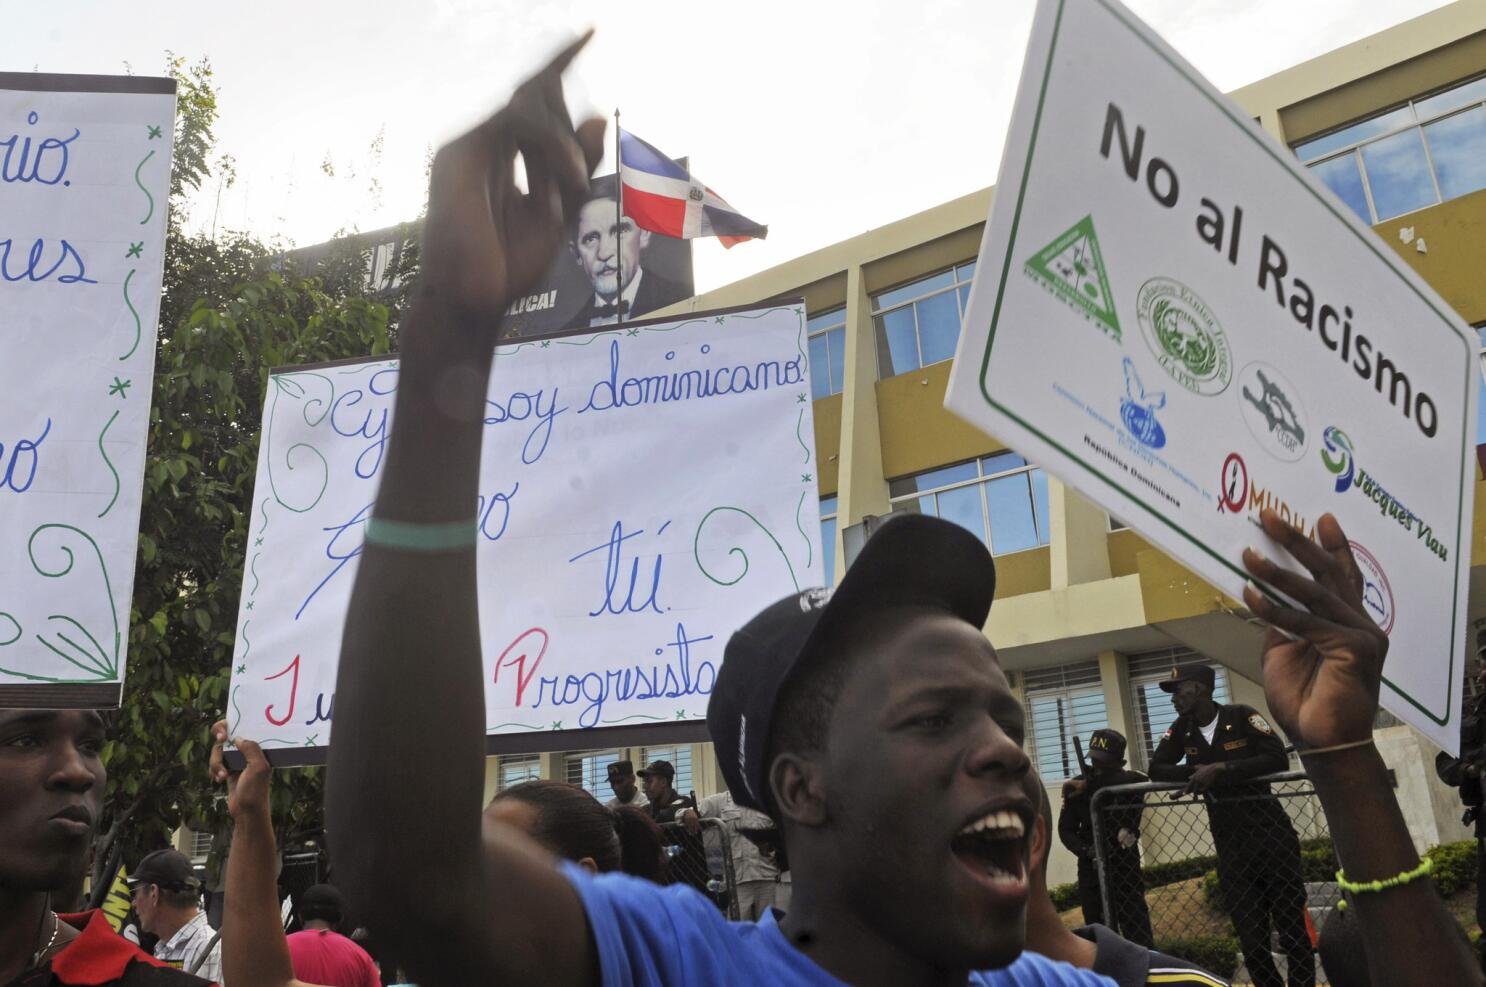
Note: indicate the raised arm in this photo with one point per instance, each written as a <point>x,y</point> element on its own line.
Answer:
<point>254,950</point>
<point>1165,764</point>
<point>407,753</point>
<point>1322,685</point>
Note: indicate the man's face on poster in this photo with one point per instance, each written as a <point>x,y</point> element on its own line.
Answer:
<point>605,249</point>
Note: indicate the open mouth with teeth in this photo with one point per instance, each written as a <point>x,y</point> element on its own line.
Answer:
<point>993,848</point>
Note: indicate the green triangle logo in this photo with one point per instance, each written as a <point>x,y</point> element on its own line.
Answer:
<point>1072,268</point>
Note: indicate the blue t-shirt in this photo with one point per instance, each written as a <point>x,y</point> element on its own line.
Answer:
<point>650,936</point>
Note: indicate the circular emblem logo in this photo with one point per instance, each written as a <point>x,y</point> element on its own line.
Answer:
<point>1185,336</point>
<point>1377,594</point>
<point>1272,410</point>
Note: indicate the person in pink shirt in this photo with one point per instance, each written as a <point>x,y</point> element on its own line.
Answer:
<point>320,954</point>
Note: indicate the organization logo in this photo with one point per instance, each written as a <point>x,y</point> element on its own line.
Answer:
<point>1072,268</point>
<point>1273,412</point>
<point>1337,455</point>
<point>1241,495</point>
<point>1377,593</point>
<point>1185,336</point>
<point>1138,409</point>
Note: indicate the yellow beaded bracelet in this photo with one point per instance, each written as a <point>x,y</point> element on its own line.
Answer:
<point>1425,868</point>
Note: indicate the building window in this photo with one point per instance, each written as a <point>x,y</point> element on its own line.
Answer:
<point>918,323</point>
<point>1153,707</point>
<point>513,769</point>
<point>680,758</point>
<point>1427,151</point>
<point>826,333</point>
<point>828,538</point>
<point>1062,703</point>
<point>590,770</point>
<point>200,846</point>
<point>1002,499</point>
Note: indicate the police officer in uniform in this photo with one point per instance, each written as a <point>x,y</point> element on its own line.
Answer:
<point>1258,853</point>
<point>1121,830</point>
<point>1464,773</point>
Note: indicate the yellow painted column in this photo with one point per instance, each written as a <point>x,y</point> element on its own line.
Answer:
<point>1114,676</point>
<point>861,489</point>
<point>1079,537</point>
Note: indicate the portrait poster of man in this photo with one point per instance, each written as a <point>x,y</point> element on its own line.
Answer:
<point>604,264</point>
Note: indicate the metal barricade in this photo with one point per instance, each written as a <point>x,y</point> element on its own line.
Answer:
<point>704,861</point>
<point>1248,864</point>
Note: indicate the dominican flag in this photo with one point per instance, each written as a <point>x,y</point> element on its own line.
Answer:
<point>661,197</point>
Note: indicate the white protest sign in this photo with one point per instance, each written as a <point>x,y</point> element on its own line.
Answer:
<point>644,491</point>
<point>84,178</point>
<point>1171,315</point>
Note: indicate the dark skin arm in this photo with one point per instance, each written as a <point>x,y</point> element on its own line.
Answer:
<point>1322,685</point>
<point>406,767</point>
<point>254,948</point>
<point>1069,831</point>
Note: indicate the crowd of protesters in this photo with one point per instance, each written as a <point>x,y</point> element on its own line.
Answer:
<point>870,742</point>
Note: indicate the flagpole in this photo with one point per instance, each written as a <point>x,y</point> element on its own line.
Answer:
<point>618,224</point>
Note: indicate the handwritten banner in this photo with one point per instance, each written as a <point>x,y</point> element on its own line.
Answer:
<point>84,177</point>
<point>644,491</point>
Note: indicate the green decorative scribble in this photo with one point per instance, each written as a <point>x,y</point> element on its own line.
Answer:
<point>237,716</point>
<point>737,549</point>
<point>799,421</point>
<point>253,569</point>
<point>524,726</point>
<point>147,195</point>
<point>247,644</point>
<point>633,716</point>
<point>809,549</point>
<point>106,462</point>
<point>98,664</point>
<point>138,327</point>
<point>285,384</point>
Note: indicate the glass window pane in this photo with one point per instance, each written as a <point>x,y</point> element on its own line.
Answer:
<point>1398,174</point>
<point>938,327</point>
<point>837,341</point>
<point>932,479</point>
<point>964,272</point>
<point>1001,462</point>
<point>913,289</point>
<point>1457,145</point>
<point>820,367</point>
<point>1013,527</point>
<point>825,320</point>
<point>1322,146</point>
<point>1342,177</point>
<point>828,505</point>
<point>1471,92</point>
<point>962,506</point>
<point>1040,506</point>
<point>964,291</point>
<point>897,346</point>
<point>828,550</point>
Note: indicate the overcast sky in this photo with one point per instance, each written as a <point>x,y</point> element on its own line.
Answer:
<point>821,119</point>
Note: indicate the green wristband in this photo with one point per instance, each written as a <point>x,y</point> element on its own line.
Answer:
<point>411,536</point>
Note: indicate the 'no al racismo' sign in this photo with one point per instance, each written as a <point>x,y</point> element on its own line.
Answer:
<point>1173,316</point>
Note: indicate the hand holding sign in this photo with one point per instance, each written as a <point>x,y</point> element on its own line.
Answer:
<point>1323,687</point>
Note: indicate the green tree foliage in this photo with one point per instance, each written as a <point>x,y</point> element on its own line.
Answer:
<point>227,317</point>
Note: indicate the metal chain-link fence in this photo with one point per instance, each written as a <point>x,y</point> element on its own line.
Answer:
<point>1238,879</point>
<point>704,860</point>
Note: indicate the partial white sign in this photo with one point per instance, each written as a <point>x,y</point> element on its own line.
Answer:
<point>84,178</point>
<point>1174,317</point>
<point>644,492</point>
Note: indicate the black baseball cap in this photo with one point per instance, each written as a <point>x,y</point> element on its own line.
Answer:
<point>618,769</point>
<point>170,869</point>
<point>1107,745</point>
<point>658,768</point>
<point>912,560</point>
<point>1192,673</point>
